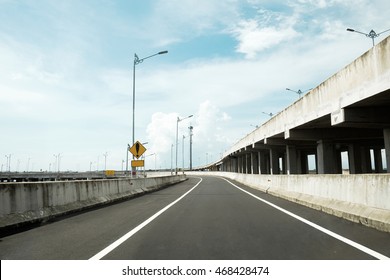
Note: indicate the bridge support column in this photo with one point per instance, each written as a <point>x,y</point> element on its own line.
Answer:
<point>230,166</point>
<point>248,163</point>
<point>262,158</point>
<point>378,160</point>
<point>292,160</point>
<point>355,152</point>
<point>274,161</point>
<point>235,165</point>
<point>366,160</point>
<point>255,163</point>
<point>327,160</point>
<point>386,136</point>
<point>304,162</point>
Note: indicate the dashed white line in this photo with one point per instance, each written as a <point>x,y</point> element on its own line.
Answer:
<point>118,242</point>
<point>324,230</point>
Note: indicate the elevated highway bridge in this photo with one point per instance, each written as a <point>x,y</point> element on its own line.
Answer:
<point>349,112</point>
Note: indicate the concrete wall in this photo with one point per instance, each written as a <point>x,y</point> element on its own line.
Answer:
<point>362,198</point>
<point>26,202</point>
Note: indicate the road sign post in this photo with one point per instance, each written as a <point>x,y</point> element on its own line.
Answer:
<point>137,150</point>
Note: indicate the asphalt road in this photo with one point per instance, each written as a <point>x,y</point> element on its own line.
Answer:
<point>214,220</point>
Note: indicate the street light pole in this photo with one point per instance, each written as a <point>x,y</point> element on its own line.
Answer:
<point>136,62</point>
<point>105,160</point>
<point>183,152</point>
<point>299,92</point>
<point>191,128</point>
<point>172,159</point>
<point>127,158</point>
<point>372,34</point>
<point>8,166</point>
<point>177,137</point>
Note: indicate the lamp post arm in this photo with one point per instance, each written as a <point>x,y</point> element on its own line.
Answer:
<point>362,33</point>
<point>383,32</point>
<point>353,30</point>
<point>137,60</point>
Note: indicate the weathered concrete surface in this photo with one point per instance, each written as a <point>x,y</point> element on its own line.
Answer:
<point>359,198</point>
<point>22,203</point>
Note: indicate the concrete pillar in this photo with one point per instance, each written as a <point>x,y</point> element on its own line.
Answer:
<point>248,163</point>
<point>327,161</point>
<point>366,160</point>
<point>378,160</point>
<point>355,159</point>
<point>386,136</point>
<point>304,163</point>
<point>339,163</point>
<point>262,162</point>
<point>255,163</point>
<point>274,162</point>
<point>292,160</point>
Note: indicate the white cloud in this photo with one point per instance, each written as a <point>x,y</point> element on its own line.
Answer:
<point>253,38</point>
<point>162,131</point>
<point>209,135</point>
<point>263,31</point>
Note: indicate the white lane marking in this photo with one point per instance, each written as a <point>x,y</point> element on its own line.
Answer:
<point>324,230</point>
<point>118,242</point>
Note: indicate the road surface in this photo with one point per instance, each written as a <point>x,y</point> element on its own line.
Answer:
<point>201,218</point>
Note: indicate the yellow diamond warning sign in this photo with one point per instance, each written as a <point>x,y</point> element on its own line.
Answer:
<point>137,149</point>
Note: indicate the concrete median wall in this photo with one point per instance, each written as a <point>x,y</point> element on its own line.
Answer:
<point>361,198</point>
<point>36,201</point>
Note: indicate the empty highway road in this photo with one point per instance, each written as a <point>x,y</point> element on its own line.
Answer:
<point>201,218</point>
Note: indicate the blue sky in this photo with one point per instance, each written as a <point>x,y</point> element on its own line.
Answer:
<point>66,72</point>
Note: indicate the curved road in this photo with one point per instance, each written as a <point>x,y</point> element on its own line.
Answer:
<point>201,218</point>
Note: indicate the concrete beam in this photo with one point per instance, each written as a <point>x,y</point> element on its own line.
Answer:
<point>338,133</point>
<point>280,142</point>
<point>361,117</point>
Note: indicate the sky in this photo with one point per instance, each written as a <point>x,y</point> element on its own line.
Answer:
<point>66,74</point>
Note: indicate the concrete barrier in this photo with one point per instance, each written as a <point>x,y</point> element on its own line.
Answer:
<point>22,203</point>
<point>361,198</point>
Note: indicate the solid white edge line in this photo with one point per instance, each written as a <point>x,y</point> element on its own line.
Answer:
<point>118,242</point>
<point>324,230</point>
